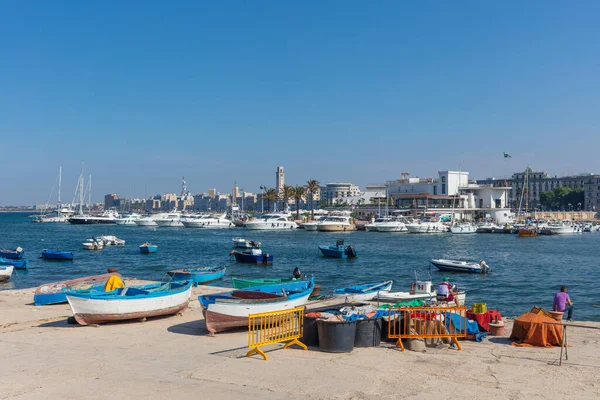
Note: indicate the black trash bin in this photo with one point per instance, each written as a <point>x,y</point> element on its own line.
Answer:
<point>397,320</point>
<point>311,333</point>
<point>368,333</point>
<point>336,337</point>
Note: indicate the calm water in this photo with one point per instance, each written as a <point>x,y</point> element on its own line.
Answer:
<point>527,271</point>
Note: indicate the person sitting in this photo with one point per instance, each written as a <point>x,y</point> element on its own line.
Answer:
<point>446,293</point>
<point>563,303</point>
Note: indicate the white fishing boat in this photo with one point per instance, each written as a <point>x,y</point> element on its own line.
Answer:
<point>128,219</point>
<point>6,273</point>
<point>132,302</point>
<point>272,221</point>
<point>426,226</point>
<point>461,266</point>
<point>206,221</point>
<point>463,228</point>
<point>170,220</point>
<point>419,290</point>
<point>228,310</point>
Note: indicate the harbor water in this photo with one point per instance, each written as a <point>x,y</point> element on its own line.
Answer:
<point>526,271</point>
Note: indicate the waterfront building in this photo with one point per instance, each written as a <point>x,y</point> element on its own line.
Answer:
<point>338,193</point>
<point>110,201</point>
<point>279,180</point>
<point>212,193</point>
<point>592,193</point>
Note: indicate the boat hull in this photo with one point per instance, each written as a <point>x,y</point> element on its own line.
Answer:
<point>264,258</point>
<point>336,227</point>
<point>463,267</point>
<point>146,222</point>
<point>198,276</point>
<point>309,226</point>
<point>88,310</point>
<point>18,264</point>
<point>173,223</point>
<point>56,292</point>
<point>463,230</point>
<point>11,254</point>
<point>148,249</point>
<point>91,221</point>
<point>369,295</point>
<point>208,225</point>
<point>57,256</point>
<point>333,252</point>
<point>392,228</point>
<point>425,228</point>
<point>6,273</point>
<point>261,225</point>
<point>239,283</point>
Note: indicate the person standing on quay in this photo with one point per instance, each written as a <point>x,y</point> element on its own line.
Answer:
<point>563,303</point>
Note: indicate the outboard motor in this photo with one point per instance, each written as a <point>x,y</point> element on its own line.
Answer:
<point>297,273</point>
<point>350,252</point>
<point>265,259</point>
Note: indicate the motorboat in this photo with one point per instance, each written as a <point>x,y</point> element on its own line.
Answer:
<point>18,264</point>
<point>272,221</point>
<point>148,248</point>
<point>6,273</point>
<point>564,228</point>
<point>528,231</point>
<point>107,217</point>
<point>463,228</point>
<point>111,240</point>
<point>245,243</point>
<point>386,224</point>
<point>252,256</point>
<point>426,226</point>
<point>12,254</point>
<point>337,223</point>
<point>363,292</point>
<point>170,220</point>
<point>149,220</point>
<point>57,255</point>
<point>419,290</point>
<point>128,219</point>
<point>312,225</point>
<point>461,266</point>
<point>93,244</point>
<point>130,302</point>
<point>206,221</point>
<point>338,251</point>
<point>229,310</point>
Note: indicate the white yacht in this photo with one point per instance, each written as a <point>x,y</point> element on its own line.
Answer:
<point>273,221</point>
<point>463,228</point>
<point>149,220</point>
<point>128,219</point>
<point>172,219</point>
<point>426,226</point>
<point>312,225</point>
<point>336,223</point>
<point>55,217</point>
<point>563,228</point>
<point>206,221</point>
<point>107,217</point>
<point>386,224</point>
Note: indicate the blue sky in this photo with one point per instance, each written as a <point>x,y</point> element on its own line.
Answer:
<point>145,92</point>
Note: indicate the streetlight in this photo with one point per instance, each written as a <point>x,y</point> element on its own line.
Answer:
<point>578,206</point>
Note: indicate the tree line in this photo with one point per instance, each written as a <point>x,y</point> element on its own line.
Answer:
<point>561,197</point>
<point>293,192</point>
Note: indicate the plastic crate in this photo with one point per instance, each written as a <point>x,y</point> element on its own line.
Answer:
<point>480,308</point>
<point>540,311</point>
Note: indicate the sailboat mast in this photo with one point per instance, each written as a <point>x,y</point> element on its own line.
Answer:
<point>90,194</point>
<point>81,191</point>
<point>59,185</point>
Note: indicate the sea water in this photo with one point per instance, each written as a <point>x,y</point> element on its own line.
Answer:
<point>526,271</point>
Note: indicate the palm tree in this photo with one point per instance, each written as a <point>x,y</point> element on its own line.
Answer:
<point>287,193</point>
<point>271,196</point>
<point>299,192</point>
<point>312,185</point>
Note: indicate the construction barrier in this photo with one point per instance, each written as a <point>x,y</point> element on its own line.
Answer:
<point>275,327</point>
<point>427,323</point>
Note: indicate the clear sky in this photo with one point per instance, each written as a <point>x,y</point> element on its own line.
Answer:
<point>146,92</point>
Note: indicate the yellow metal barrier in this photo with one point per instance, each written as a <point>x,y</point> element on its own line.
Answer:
<point>275,327</point>
<point>427,323</point>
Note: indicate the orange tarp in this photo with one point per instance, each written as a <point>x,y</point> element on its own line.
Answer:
<point>529,330</point>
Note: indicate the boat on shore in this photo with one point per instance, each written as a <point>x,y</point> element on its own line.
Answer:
<point>419,290</point>
<point>6,273</point>
<point>57,255</point>
<point>338,251</point>
<point>229,310</point>
<point>198,275</point>
<point>18,264</point>
<point>55,292</point>
<point>364,292</point>
<point>148,248</point>
<point>130,302</point>
<point>461,266</point>
<point>15,254</point>
<point>243,283</point>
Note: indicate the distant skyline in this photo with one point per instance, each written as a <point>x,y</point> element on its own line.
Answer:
<point>335,91</point>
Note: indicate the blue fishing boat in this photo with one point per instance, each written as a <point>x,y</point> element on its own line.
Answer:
<point>18,264</point>
<point>364,292</point>
<point>338,251</point>
<point>57,255</point>
<point>228,310</point>
<point>56,292</point>
<point>15,254</point>
<point>254,256</point>
<point>198,275</point>
<point>148,248</point>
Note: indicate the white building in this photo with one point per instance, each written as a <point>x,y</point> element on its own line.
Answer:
<point>338,193</point>
<point>279,180</point>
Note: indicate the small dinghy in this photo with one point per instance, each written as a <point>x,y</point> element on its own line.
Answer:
<point>461,266</point>
<point>229,310</point>
<point>18,264</point>
<point>244,243</point>
<point>15,254</point>
<point>253,256</point>
<point>363,292</point>
<point>93,244</point>
<point>241,283</point>
<point>57,255</point>
<point>198,275</point>
<point>56,292</point>
<point>130,302</point>
<point>148,248</point>
<point>338,251</point>
<point>6,273</point>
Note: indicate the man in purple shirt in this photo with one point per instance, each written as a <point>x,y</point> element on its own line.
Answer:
<point>563,303</point>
